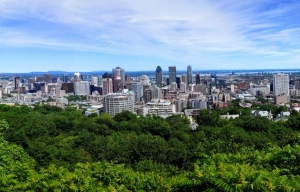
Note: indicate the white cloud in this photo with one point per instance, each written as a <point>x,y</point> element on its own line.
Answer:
<point>174,30</point>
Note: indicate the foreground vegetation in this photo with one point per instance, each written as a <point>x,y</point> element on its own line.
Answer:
<point>50,149</point>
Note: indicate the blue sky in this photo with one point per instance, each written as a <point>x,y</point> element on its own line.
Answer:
<point>77,35</point>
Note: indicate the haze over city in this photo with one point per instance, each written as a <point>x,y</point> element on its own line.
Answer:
<point>40,35</point>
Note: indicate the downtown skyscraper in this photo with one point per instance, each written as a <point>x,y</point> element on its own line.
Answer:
<point>172,74</point>
<point>189,75</point>
<point>118,77</point>
<point>159,76</point>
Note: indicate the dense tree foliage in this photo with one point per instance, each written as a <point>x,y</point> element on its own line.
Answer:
<point>49,149</point>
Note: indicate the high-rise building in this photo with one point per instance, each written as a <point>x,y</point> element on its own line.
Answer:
<point>77,77</point>
<point>38,85</point>
<point>184,79</point>
<point>31,80</point>
<point>54,79</point>
<point>114,103</point>
<point>118,73</point>
<point>198,80</point>
<point>180,104</point>
<point>158,92</point>
<point>172,75</point>
<point>145,81</point>
<point>173,87</point>
<point>198,102</point>
<point>47,78</point>
<point>39,79</point>
<point>137,88</point>
<point>65,78</point>
<point>178,81</point>
<point>296,83</point>
<point>67,87</point>
<point>281,84</point>
<point>148,95</point>
<point>159,76</point>
<point>200,88</point>
<point>17,82</point>
<point>281,88</point>
<point>100,81</point>
<point>118,76</point>
<point>94,81</point>
<point>182,87</point>
<point>107,86</point>
<point>189,75</point>
<point>82,88</point>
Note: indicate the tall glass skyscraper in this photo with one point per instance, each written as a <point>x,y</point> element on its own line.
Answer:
<point>172,74</point>
<point>159,76</point>
<point>137,88</point>
<point>189,75</point>
<point>198,80</point>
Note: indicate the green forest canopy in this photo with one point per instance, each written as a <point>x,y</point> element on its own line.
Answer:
<point>50,149</point>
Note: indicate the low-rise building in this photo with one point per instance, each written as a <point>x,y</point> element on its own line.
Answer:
<point>162,108</point>
<point>266,114</point>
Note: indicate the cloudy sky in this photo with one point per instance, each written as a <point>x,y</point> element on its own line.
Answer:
<point>81,35</point>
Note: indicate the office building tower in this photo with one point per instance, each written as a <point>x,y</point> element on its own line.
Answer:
<point>55,79</point>
<point>184,79</point>
<point>172,75</point>
<point>148,95</point>
<point>17,82</point>
<point>145,81</point>
<point>118,73</point>
<point>77,77</point>
<point>82,88</point>
<point>198,102</point>
<point>281,88</point>
<point>39,79</point>
<point>182,87</point>
<point>114,103</point>
<point>65,78</point>
<point>180,104</point>
<point>281,84</point>
<point>107,86</point>
<point>198,80</point>
<point>295,83</point>
<point>0,93</point>
<point>31,80</point>
<point>137,88</point>
<point>38,85</point>
<point>100,81</point>
<point>200,88</point>
<point>118,76</point>
<point>159,76</point>
<point>189,75</point>
<point>47,78</point>
<point>232,90</point>
<point>213,80</point>
<point>127,78</point>
<point>178,81</point>
<point>221,83</point>
<point>158,92</point>
<point>94,81</point>
<point>173,87</point>
<point>67,87</point>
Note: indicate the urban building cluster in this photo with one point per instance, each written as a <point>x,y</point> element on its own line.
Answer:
<point>163,94</point>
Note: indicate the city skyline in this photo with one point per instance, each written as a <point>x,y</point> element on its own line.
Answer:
<point>92,36</point>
